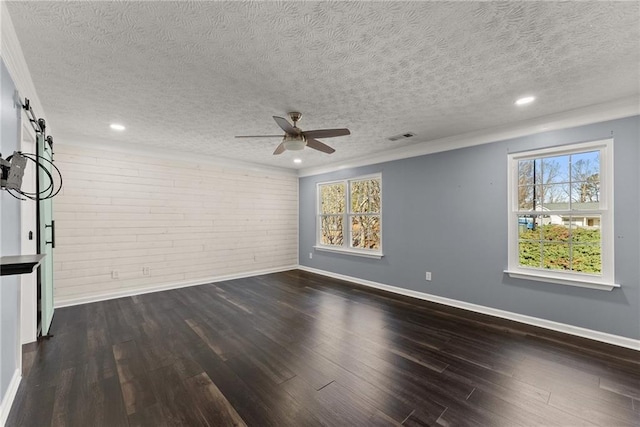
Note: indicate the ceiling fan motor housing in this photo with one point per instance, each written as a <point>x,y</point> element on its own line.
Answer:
<point>295,117</point>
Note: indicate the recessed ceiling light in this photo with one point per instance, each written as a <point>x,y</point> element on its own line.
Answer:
<point>297,160</point>
<point>116,126</point>
<point>525,100</point>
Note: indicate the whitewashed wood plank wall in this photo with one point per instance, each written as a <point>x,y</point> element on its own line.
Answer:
<point>186,221</point>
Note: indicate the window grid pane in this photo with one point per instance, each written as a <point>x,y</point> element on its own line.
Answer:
<point>331,230</point>
<point>365,196</point>
<point>332,198</point>
<point>365,231</point>
<point>556,242</point>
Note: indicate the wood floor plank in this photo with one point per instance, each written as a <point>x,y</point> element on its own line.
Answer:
<point>524,412</point>
<point>389,360</point>
<point>185,396</point>
<point>351,408</point>
<point>518,396</point>
<point>210,403</point>
<point>171,397</point>
<point>33,406</point>
<point>463,414</point>
<point>421,418</point>
<point>61,411</point>
<point>398,378</point>
<point>81,403</point>
<point>595,410</point>
<point>134,378</point>
<point>224,345</point>
<point>626,385</point>
<point>151,416</point>
<point>299,349</point>
<point>244,398</point>
<point>598,396</point>
<point>283,407</point>
<point>545,375</point>
<point>317,403</point>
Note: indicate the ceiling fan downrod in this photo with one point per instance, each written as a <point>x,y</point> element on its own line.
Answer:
<point>295,116</point>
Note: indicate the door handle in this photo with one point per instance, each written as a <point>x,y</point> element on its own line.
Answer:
<point>53,234</point>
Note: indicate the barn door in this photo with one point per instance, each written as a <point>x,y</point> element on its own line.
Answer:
<point>46,235</point>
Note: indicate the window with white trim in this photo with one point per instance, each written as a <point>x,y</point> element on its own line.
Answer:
<point>349,216</point>
<point>561,215</point>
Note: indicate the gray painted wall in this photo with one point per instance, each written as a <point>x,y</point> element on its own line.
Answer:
<point>9,238</point>
<point>447,213</point>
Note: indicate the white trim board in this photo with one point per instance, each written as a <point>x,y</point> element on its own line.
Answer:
<point>516,317</point>
<point>67,302</point>
<point>618,109</point>
<point>9,397</point>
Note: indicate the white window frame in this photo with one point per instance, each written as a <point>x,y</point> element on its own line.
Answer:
<point>346,220</point>
<point>603,281</point>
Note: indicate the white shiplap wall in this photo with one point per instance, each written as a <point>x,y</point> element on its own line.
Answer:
<point>187,221</point>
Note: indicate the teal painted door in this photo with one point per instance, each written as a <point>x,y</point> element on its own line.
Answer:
<point>47,237</point>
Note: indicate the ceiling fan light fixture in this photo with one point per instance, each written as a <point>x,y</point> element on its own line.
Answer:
<point>294,143</point>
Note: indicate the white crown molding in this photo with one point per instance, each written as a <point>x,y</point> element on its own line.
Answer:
<point>625,107</point>
<point>161,153</point>
<point>9,397</point>
<point>67,302</point>
<point>15,62</point>
<point>14,59</point>
<point>620,341</point>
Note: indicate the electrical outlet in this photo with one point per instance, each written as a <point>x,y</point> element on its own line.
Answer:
<point>427,276</point>
<point>146,271</point>
<point>310,255</point>
<point>114,274</point>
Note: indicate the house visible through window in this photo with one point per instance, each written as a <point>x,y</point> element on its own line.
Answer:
<point>350,214</point>
<point>560,218</point>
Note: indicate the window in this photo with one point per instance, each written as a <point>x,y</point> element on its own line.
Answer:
<point>350,216</point>
<point>560,215</point>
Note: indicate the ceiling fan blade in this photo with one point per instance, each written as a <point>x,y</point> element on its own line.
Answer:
<point>326,133</point>
<point>285,125</point>
<point>280,149</point>
<point>258,136</point>
<point>320,146</point>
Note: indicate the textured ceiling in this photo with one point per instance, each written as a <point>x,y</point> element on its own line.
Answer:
<point>191,75</point>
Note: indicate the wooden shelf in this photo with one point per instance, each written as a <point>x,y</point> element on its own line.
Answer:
<point>19,264</point>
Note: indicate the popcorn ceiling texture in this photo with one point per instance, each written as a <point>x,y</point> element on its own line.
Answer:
<point>188,76</point>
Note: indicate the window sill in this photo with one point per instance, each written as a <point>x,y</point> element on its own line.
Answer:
<point>354,252</point>
<point>540,277</point>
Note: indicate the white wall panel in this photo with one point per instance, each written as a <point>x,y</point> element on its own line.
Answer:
<point>181,220</point>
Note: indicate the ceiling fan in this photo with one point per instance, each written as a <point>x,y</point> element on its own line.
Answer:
<point>296,139</point>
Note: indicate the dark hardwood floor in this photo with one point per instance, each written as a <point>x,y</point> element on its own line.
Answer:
<point>298,349</point>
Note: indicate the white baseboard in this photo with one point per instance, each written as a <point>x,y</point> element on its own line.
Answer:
<point>9,396</point>
<point>67,302</point>
<point>529,320</point>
